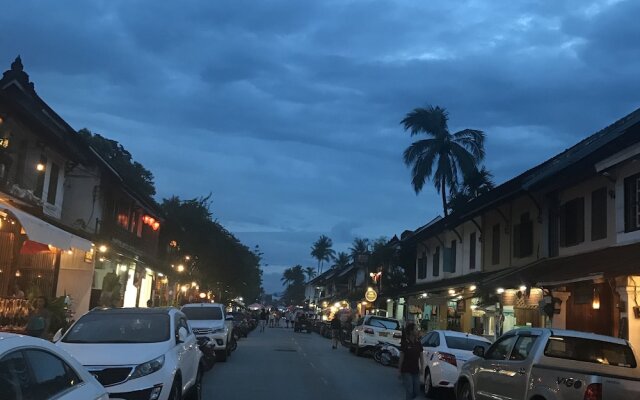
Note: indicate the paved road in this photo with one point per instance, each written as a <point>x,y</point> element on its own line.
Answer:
<point>283,365</point>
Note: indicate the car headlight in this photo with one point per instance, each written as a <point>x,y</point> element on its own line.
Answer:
<point>147,368</point>
<point>219,330</point>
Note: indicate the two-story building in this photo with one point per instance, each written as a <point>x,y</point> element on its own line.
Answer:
<point>557,245</point>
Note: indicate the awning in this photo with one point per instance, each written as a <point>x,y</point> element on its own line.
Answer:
<point>39,231</point>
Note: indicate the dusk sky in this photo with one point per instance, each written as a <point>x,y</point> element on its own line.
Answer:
<point>288,111</point>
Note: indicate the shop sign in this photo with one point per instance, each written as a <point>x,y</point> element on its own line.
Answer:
<point>371,295</point>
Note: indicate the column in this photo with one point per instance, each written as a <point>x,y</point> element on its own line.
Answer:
<point>559,321</point>
<point>628,294</point>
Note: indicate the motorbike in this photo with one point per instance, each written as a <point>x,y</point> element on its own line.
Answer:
<point>387,353</point>
<point>208,353</point>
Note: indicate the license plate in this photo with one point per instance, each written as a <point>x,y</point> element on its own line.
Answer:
<point>385,334</point>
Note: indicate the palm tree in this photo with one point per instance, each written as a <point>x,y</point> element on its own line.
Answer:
<point>310,272</point>
<point>452,154</point>
<point>322,251</point>
<point>342,260</point>
<point>287,277</point>
<point>476,183</point>
<point>360,247</point>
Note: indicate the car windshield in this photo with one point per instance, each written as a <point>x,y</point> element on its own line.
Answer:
<point>463,343</point>
<point>203,313</point>
<point>119,328</point>
<point>384,323</point>
<point>590,350</point>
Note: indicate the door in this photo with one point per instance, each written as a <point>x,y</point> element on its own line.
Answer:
<point>513,375</point>
<point>189,364</point>
<point>486,377</point>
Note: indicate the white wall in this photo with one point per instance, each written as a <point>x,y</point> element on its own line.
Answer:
<point>80,210</point>
<point>75,279</point>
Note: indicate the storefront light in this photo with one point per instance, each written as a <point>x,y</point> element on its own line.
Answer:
<point>123,268</point>
<point>388,300</point>
<point>180,268</point>
<point>18,274</point>
<point>203,295</point>
<point>103,249</point>
<point>452,292</point>
<point>194,284</point>
<point>500,290</point>
<point>523,288</point>
<point>337,305</point>
<point>184,288</point>
<point>472,288</point>
<point>40,167</point>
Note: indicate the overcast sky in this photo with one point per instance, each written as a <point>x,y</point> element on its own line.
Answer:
<point>288,111</point>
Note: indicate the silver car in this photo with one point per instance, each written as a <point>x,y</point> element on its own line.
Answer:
<point>551,364</point>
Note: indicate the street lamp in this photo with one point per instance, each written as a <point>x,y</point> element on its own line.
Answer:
<point>180,268</point>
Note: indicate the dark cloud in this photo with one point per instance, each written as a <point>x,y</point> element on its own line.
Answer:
<point>288,111</point>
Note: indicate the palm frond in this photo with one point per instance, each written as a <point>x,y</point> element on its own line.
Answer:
<point>431,121</point>
<point>473,141</point>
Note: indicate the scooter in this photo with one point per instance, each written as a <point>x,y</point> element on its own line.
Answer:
<point>389,354</point>
<point>208,353</point>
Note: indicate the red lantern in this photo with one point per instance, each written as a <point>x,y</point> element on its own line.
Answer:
<point>156,226</point>
<point>145,219</point>
<point>151,221</point>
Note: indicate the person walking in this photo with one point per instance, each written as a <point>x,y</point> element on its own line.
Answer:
<point>40,318</point>
<point>409,368</point>
<point>335,331</point>
<point>263,319</point>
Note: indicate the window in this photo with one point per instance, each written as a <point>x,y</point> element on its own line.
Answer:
<point>202,313</point>
<point>436,262</point>
<point>122,214</point>
<point>495,244</point>
<point>422,266</point>
<point>464,343</point>
<point>449,258</point>
<point>590,350</point>
<point>383,323</point>
<point>631,203</point>
<point>572,222</point>
<point>52,193</point>
<point>523,237</point>
<point>432,340</point>
<point>523,348</point>
<point>108,327</point>
<point>15,379</point>
<point>599,214</point>
<point>501,349</point>
<point>40,178</point>
<point>51,375</point>
<point>472,250</point>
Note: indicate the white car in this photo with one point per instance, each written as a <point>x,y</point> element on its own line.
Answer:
<point>33,368</point>
<point>210,319</point>
<point>138,353</point>
<point>371,330</point>
<point>443,355</point>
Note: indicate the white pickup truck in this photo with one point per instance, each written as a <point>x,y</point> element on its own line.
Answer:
<point>551,364</point>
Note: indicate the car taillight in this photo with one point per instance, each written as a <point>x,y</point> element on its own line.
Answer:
<point>448,358</point>
<point>593,392</point>
<point>368,330</point>
<point>397,335</point>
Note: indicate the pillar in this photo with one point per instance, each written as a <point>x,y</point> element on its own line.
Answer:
<point>559,321</point>
<point>628,296</point>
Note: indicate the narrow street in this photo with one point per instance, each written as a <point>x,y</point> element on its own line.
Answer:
<point>281,364</point>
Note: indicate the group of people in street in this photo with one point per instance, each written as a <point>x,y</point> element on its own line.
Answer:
<point>276,319</point>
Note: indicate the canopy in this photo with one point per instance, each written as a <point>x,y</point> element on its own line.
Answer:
<point>42,232</point>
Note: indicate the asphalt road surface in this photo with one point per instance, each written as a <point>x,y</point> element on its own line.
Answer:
<point>282,365</point>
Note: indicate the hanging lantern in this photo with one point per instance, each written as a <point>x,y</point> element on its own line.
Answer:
<point>145,219</point>
<point>151,221</point>
<point>596,300</point>
<point>156,226</point>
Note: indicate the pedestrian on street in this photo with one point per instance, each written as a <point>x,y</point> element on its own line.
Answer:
<point>286,320</point>
<point>410,351</point>
<point>263,319</point>
<point>335,331</point>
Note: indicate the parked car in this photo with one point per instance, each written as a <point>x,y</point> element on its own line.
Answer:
<point>33,368</point>
<point>137,353</point>
<point>210,319</point>
<point>443,355</point>
<point>551,364</point>
<point>371,329</point>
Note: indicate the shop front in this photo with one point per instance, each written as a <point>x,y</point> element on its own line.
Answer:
<point>40,259</point>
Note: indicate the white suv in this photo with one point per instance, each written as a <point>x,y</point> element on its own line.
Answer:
<point>138,353</point>
<point>210,320</point>
<point>371,330</point>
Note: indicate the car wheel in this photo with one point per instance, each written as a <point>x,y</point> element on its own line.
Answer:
<point>428,386</point>
<point>221,355</point>
<point>176,390</point>
<point>464,391</point>
<point>385,358</point>
<point>196,390</point>
<point>358,350</point>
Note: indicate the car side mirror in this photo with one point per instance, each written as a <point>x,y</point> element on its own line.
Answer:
<point>57,336</point>
<point>478,351</point>
<point>182,335</point>
<point>229,318</point>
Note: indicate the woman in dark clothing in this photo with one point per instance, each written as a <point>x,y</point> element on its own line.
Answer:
<point>410,351</point>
